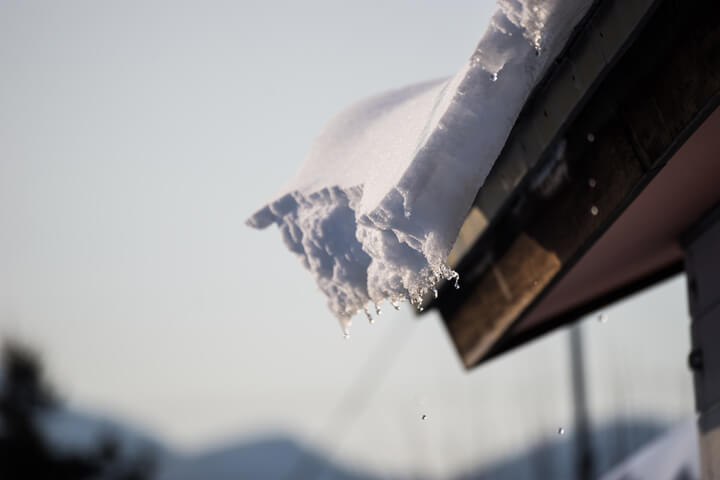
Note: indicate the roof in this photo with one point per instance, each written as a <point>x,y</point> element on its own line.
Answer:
<point>615,155</point>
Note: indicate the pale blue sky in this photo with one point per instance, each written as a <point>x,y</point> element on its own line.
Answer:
<point>137,136</point>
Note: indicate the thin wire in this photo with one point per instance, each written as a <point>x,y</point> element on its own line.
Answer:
<point>357,397</point>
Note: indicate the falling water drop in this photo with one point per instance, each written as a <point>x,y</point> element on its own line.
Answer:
<point>594,210</point>
<point>561,431</point>
<point>602,318</point>
<point>346,334</point>
<point>592,183</point>
<point>457,282</point>
<point>494,77</point>
<point>377,310</point>
<point>423,417</point>
<point>590,137</point>
<point>435,292</point>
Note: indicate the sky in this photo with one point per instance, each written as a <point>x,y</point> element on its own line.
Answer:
<point>135,139</point>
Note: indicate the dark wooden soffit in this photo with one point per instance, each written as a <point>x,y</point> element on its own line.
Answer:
<point>574,163</point>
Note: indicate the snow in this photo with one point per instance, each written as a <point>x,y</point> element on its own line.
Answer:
<point>375,208</point>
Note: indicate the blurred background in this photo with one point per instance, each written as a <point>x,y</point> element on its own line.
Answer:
<point>146,326</point>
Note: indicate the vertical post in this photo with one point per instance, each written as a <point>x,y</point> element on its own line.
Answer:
<point>702,263</point>
<point>583,457</point>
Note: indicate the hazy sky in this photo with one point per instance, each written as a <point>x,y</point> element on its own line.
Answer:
<point>137,136</point>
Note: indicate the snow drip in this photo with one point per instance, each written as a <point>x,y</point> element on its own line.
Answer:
<point>378,202</point>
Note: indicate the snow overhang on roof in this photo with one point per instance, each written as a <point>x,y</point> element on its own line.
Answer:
<point>614,156</point>
<point>375,208</point>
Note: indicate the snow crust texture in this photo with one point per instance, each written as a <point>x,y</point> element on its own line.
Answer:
<point>375,208</point>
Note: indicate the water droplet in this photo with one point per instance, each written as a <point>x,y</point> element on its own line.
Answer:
<point>590,137</point>
<point>602,318</point>
<point>346,334</point>
<point>494,77</point>
<point>457,282</point>
<point>369,317</point>
<point>435,292</point>
<point>377,310</point>
<point>594,210</point>
<point>592,183</point>
<point>424,417</point>
<point>394,303</point>
<point>561,431</point>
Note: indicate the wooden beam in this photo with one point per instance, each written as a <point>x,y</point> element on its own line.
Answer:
<point>664,84</point>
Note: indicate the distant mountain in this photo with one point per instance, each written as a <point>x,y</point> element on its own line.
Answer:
<point>42,438</point>
<point>269,458</point>
<point>69,431</point>
<point>278,457</point>
<point>672,456</point>
<point>275,457</point>
<point>557,457</point>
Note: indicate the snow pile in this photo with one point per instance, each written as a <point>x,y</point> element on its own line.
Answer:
<point>375,208</point>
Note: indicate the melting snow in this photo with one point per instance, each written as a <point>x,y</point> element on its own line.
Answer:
<point>377,204</point>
